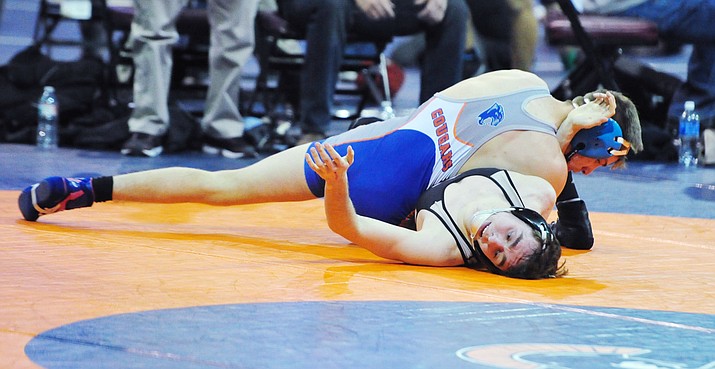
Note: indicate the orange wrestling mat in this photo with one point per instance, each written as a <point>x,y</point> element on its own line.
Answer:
<point>280,269</point>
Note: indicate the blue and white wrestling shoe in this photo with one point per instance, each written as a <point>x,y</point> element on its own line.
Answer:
<point>55,194</point>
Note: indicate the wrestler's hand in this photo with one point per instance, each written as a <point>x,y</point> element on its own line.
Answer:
<point>594,109</point>
<point>377,9</point>
<point>433,12</point>
<point>591,110</point>
<point>327,163</point>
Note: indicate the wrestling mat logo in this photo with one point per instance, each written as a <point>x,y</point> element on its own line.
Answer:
<point>492,116</point>
<point>564,356</point>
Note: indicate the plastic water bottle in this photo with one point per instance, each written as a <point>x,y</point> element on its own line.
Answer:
<point>48,119</point>
<point>689,136</point>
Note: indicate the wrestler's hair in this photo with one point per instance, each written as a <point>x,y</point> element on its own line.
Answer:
<point>543,262</point>
<point>626,116</point>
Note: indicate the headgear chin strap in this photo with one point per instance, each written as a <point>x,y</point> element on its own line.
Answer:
<point>600,142</point>
<point>531,218</point>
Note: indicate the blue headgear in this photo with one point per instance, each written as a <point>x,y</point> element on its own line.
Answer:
<point>600,142</point>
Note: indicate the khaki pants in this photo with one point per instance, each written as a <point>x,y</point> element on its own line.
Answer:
<point>153,34</point>
<point>709,143</point>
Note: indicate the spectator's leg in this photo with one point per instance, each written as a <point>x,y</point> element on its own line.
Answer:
<point>688,21</point>
<point>153,34</point>
<point>325,23</point>
<point>231,46</point>
<point>524,36</point>
<point>442,65</point>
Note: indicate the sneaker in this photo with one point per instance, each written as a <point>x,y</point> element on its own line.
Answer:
<point>143,144</point>
<point>232,148</point>
<point>55,194</point>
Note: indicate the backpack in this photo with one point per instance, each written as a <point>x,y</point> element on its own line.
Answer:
<point>77,86</point>
<point>107,128</point>
<point>87,117</point>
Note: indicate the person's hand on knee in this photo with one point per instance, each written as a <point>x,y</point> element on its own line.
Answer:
<point>377,9</point>
<point>433,12</point>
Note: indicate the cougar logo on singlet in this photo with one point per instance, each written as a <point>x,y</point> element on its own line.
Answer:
<point>492,116</point>
<point>442,131</point>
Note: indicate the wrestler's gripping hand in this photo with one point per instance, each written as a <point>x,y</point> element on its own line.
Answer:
<point>594,110</point>
<point>589,111</point>
<point>327,163</point>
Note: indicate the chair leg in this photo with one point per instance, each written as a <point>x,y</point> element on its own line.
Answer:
<point>44,26</point>
<point>581,80</point>
<point>380,94</point>
<point>272,59</point>
<point>386,103</point>
<point>600,66</point>
<point>111,83</point>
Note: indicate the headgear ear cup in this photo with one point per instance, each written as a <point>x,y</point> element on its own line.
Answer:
<point>602,141</point>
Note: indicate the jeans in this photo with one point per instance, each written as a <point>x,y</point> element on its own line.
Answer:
<point>327,23</point>
<point>690,22</point>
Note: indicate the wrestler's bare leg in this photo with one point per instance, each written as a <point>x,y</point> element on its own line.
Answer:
<point>276,178</point>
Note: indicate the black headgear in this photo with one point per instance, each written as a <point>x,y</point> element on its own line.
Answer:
<point>535,221</point>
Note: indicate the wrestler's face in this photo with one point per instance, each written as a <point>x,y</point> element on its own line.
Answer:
<point>506,240</point>
<point>586,165</point>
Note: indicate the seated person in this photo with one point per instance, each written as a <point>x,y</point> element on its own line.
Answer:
<point>687,22</point>
<point>504,33</point>
<point>327,24</point>
<point>508,31</point>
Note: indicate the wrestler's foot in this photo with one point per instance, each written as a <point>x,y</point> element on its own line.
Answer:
<point>55,194</point>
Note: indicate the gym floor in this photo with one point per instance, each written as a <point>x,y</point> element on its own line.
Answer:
<point>127,285</point>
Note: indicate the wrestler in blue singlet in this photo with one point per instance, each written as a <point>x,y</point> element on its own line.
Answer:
<point>398,159</point>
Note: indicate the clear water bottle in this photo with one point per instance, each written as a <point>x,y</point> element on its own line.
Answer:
<point>689,136</point>
<point>48,119</point>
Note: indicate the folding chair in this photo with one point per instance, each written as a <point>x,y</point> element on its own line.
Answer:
<point>276,65</point>
<point>52,13</point>
<point>601,38</point>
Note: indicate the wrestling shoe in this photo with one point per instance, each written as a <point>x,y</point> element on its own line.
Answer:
<point>143,144</point>
<point>232,148</point>
<point>55,194</point>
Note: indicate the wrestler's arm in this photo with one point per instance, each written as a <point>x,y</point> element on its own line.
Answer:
<point>573,226</point>
<point>385,240</point>
<point>590,114</point>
